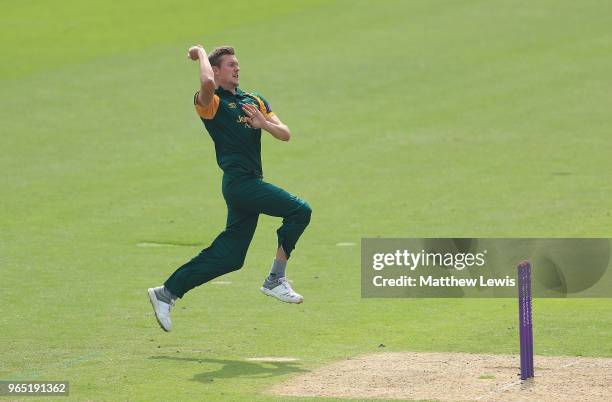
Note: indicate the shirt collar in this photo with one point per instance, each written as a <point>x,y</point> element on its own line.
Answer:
<point>220,91</point>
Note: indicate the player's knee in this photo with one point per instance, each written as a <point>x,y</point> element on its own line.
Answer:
<point>236,262</point>
<point>305,213</point>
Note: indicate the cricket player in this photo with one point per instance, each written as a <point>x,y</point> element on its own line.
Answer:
<point>235,120</point>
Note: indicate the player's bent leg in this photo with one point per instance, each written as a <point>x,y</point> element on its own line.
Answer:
<point>257,195</point>
<point>226,254</point>
<point>294,224</point>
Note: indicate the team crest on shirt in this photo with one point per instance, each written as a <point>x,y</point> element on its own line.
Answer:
<point>232,105</point>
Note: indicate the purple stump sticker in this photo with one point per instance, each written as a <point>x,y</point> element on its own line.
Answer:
<point>525,326</point>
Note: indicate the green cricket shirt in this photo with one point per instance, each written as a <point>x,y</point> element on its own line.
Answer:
<point>237,145</point>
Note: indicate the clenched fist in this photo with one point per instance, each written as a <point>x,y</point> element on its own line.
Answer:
<point>194,52</point>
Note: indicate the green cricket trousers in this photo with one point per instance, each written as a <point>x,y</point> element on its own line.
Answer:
<point>246,197</point>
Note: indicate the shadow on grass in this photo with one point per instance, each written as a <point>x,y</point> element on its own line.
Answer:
<point>238,368</point>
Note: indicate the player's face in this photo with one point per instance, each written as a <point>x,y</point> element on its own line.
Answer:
<point>227,72</point>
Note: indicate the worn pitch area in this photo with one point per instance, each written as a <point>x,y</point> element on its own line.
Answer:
<point>455,377</point>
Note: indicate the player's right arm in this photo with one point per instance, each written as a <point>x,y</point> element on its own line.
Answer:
<point>207,77</point>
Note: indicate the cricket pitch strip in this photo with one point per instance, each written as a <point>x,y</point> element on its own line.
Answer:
<point>454,377</point>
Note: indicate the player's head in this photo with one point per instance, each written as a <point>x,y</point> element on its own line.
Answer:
<point>225,66</point>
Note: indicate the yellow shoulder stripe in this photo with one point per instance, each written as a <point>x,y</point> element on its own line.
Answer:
<point>208,111</point>
<point>262,106</point>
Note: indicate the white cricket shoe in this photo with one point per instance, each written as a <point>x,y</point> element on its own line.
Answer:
<point>162,310</point>
<point>283,292</point>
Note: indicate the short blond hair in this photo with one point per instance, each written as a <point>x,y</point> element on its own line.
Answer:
<point>214,57</point>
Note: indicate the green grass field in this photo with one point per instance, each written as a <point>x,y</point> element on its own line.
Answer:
<point>410,118</point>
